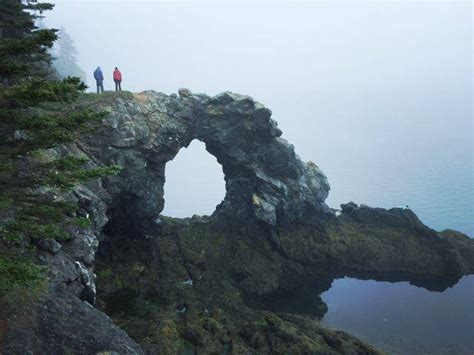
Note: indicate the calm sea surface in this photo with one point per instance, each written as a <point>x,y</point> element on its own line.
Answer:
<point>403,319</point>
<point>397,317</point>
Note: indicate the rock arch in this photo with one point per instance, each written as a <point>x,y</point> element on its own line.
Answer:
<point>265,179</point>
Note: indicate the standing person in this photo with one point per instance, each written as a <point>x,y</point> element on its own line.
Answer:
<point>99,78</point>
<point>118,79</point>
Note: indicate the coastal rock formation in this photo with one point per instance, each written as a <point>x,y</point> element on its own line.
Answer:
<point>265,179</point>
<point>209,284</point>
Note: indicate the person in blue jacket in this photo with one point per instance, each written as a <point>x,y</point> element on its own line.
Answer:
<point>99,78</point>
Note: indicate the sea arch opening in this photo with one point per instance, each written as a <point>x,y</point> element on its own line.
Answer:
<point>194,183</point>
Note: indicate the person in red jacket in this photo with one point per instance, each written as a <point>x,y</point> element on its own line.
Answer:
<point>118,79</point>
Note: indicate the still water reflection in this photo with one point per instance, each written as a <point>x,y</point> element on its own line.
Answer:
<point>400,318</point>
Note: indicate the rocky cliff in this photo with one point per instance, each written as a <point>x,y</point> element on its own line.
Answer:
<point>137,281</point>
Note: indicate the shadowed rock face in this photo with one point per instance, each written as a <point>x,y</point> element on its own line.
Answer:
<point>60,323</point>
<point>205,284</point>
<point>264,177</point>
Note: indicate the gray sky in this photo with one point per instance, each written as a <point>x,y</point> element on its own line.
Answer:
<point>376,93</point>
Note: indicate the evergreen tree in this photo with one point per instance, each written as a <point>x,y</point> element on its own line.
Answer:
<point>36,115</point>
<point>66,57</point>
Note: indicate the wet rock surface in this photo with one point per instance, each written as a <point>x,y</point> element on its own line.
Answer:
<point>211,284</point>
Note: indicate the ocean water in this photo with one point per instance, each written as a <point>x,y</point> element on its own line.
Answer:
<point>399,318</point>
<point>440,191</point>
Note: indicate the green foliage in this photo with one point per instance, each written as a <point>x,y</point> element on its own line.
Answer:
<point>39,6</point>
<point>65,173</point>
<point>38,218</point>
<point>17,228</point>
<point>262,323</point>
<point>46,130</point>
<point>37,91</point>
<point>38,113</point>
<point>5,202</point>
<point>83,222</point>
<point>19,272</point>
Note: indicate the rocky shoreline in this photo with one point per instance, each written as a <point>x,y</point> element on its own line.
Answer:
<point>136,281</point>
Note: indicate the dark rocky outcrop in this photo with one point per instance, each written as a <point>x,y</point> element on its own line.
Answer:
<point>59,323</point>
<point>206,284</point>
<point>265,179</point>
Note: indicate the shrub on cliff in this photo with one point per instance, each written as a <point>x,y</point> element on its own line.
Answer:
<point>18,272</point>
<point>37,114</point>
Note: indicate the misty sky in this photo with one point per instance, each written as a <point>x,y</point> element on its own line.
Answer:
<point>378,94</point>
